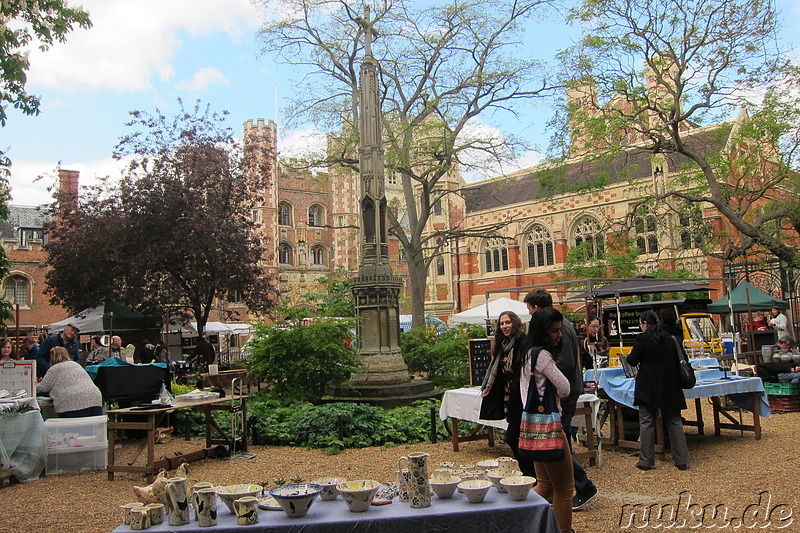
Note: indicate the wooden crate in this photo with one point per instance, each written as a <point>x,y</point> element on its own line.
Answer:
<point>784,404</point>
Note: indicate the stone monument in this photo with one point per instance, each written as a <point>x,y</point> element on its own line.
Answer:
<point>384,378</point>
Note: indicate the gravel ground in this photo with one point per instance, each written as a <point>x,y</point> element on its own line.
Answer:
<point>736,474</point>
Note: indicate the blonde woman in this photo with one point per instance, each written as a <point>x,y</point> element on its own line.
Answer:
<point>73,392</point>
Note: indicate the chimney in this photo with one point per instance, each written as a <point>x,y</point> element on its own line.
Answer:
<point>581,104</point>
<point>68,190</point>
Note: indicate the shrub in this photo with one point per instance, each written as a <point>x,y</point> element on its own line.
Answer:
<point>300,362</point>
<point>441,358</point>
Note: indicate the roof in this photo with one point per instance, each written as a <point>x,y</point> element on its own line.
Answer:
<point>21,216</point>
<point>539,181</point>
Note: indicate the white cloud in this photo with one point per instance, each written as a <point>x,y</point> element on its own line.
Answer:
<point>30,180</point>
<point>202,79</point>
<point>302,144</point>
<point>132,40</point>
<point>479,164</point>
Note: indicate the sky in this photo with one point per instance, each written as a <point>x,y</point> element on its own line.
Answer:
<point>144,54</point>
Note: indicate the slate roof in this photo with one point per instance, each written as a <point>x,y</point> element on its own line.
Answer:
<point>23,217</point>
<point>526,186</point>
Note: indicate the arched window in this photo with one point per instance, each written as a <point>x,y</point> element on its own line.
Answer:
<point>16,290</point>
<point>440,266</point>
<point>646,227</point>
<point>315,216</point>
<point>495,255</point>
<point>588,233</point>
<point>285,254</point>
<point>539,245</point>
<point>284,214</point>
<point>317,255</point>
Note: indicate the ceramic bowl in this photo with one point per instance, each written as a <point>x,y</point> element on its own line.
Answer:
<point>296,499</point>
<point>487,464</point>
<point>475,489</point>
<point>229,493</point>
<point>494,476</point>
<point>358,494</point>
<point>518,487</point>
<point>328,487</point>
<point>444,489</point>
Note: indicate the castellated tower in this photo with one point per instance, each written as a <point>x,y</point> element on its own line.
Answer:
<point>262,139</point>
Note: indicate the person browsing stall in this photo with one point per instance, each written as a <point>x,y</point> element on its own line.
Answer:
<point>73,392</point>
<point>502,381</point>
<point>555,479</point>
<point>658,391</point>
<point>67,339</point>
<point>779,322</point>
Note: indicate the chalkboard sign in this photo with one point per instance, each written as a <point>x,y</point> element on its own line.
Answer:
<point>480,355</point>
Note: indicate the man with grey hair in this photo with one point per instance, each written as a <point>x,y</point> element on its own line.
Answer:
<point>67,339</point>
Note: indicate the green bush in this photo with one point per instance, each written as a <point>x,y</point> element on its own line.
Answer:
<point>442,358</point>
<point>299,363</point>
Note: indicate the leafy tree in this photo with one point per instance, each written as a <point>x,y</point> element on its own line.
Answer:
<point>46,22</point>
<point>650,74</point>
<point>337,298</point>
<point>442,68</point>
<point>174,232</point>
<point>301,362</point>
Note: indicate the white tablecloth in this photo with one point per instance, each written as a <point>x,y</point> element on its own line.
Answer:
<point>465,404</point>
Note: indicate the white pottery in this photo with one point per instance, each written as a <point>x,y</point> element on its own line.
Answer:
<point>475,489</point>
<point>358,494</point>
<point>230,493</point>
<point>445,487</point>
<point>296,499</point>
<point>206,501</point>
<point>156,512</point>
<point>125,511</point>
<point>328,485</point>
<point>245,510</point>
<point>518,487</point>
<point>196,487</point>
<point>494,476</point>
<point>139,518</point>
<point>177,507</point>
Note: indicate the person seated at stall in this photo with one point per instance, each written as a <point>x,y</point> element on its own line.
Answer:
<point>6,350</point>
<point>760,323</point>
<point>73,392</point>
<point>771,372</point>
<point>99,353</point>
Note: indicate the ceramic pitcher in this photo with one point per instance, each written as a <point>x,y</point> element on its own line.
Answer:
<point>125,511</point>
<point>193,497</point>
<point>139,518</point>
<point>419,490</point>
<point>246,512</point>
<point>403,481</point>
<point>206,501</point>
<point>177,501</point>
<point>156,511</point>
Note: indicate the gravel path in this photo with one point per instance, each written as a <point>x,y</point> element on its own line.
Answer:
<point>734,473</point>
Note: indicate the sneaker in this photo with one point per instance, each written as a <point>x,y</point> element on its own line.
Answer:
<point>580,500</point>
<point>644,467</point>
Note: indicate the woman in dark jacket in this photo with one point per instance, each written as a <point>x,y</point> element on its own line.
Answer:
<point>502,378</point>
<point>658,389</point>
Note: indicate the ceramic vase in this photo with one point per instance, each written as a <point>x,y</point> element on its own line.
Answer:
<point>177,502</point>
<point>419,490</point>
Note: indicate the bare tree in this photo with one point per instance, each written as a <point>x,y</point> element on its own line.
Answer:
<point>659,76</point>
<point>442,69</point>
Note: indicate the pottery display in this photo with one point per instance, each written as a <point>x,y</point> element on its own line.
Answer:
<point>296,499</point>
<point>518,487</point>
<point>358,494</point>
<point>487,464</point>
<point>230,493</point>
<point>125,511</point>
<point>445,487</point>
<point>139,518</point>
<point>475,489</point>
<point>156,512</point>
<point>196,487</point>
<point>206,501</point>
<point>419,490</point>
<point>494,476</point>
<point>177,506</point>
<point>328,487</point>
<point>268,503</point>
<point>245,510</point>
<point>506,465</point>
<point>403,481</point>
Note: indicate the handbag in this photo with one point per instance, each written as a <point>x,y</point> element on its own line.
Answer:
<point>540,434</point>
<point>685,370</point>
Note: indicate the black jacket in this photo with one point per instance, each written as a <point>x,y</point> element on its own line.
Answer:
<point>658,383</point>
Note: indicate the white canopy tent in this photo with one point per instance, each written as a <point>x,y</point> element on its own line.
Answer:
<point>478,315</point>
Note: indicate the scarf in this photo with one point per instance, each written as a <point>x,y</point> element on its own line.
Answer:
<point>494,367</point>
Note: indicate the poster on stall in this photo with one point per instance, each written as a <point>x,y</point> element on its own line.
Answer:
<point>17,375</point>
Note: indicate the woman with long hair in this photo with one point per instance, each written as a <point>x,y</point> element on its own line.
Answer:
<point>658,391</point>
<point>502,379</point>
<point>555,479</point>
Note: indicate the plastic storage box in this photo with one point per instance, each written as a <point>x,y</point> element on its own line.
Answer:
<point>76,444</point>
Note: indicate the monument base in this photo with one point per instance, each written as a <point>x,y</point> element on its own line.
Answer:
<point>387,396</point>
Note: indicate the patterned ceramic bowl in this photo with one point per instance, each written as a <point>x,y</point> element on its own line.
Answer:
<point>328,486</point>
<point>296,499</point>
<point>230,493</point>
<point>475,489</point>
<point>518,487</point>
<point>493,476</point>
<point>445,489</point>
<point>358,494</point>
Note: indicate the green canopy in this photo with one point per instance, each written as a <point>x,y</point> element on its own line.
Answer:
<point>759,301</point>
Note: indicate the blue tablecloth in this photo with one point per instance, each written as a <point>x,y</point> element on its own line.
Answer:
<point>498,513</point>
<point>710,383</point>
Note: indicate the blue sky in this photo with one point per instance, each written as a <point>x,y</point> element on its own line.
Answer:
<point>143,54</point>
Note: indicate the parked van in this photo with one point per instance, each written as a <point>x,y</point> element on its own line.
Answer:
<point>686,319</point>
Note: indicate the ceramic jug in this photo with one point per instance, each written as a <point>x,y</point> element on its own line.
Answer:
<point>139,518</point>
<point>125,511</point>
<point>156,511</point>
<point>193,498</point>
<point>419,490</point>
<point>403,481</point>
<point>177,501</point>
<point>206,501</point>
<point>246,512</point>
